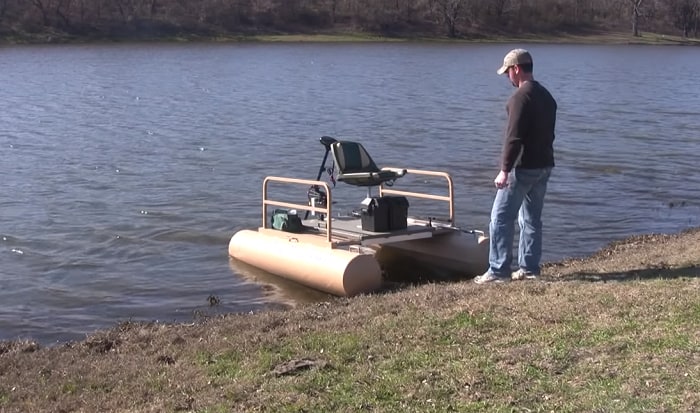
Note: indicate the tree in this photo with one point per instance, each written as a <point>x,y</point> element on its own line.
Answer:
<point>43,7</point>
<point>3,9</point>
<point>450,12</point>
<point>636,13</point>
<point>399,17</point>
<point>63,12</point>
<point>685,14</point>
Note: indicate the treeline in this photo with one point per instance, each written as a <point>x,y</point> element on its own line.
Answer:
<point>117,19</point>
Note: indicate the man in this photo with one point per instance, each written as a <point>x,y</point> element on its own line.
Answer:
<point>527,160</point>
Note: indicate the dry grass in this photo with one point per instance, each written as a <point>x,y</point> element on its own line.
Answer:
<point>610,37</point>
<point>603,37</point>
<point>616,332</point>
<point>645,38</point>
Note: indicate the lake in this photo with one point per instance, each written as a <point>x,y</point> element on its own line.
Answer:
<point>126,169</point>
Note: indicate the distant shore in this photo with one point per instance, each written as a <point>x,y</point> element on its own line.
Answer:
<point>612,37</point>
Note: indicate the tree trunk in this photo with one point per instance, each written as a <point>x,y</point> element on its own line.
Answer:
<point>64,15</point>
<point>636,12</point>
<point>42,9</point>
<point>3,9</point>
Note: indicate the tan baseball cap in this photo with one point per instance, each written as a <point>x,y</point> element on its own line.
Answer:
<point>515,57</point>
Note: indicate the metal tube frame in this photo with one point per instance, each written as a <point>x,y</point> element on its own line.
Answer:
<point>329,200</point>
<point>267,202</point>
<point>450,189</point>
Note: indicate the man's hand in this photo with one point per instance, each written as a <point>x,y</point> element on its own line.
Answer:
<point>501,180</point>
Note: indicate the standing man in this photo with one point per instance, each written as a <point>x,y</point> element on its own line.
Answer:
<point>527,160</point>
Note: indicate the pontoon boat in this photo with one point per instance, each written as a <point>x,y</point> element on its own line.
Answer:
<point>359,252</point>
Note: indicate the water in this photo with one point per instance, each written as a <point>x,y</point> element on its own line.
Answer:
<point>127,168</point>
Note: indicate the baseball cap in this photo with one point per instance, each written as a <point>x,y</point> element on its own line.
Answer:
<point>515,57</point>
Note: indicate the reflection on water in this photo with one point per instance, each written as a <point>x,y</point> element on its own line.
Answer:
<point>277,289</point>
<point>127,168</point>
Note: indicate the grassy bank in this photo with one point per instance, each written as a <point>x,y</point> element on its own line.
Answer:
<point>615,332</point>
<point>592,38</point>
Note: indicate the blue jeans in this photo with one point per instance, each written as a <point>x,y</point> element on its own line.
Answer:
<point>523,198</point>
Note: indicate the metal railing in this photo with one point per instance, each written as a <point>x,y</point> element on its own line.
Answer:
<point>450,189</point>
<point>329,201</point>
<point>304,207</point>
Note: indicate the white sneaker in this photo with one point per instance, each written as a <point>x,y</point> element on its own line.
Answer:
<point>523,275</point>
<point>488,277</point>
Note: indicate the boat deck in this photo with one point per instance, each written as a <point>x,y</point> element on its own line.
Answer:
<point>348,230</point>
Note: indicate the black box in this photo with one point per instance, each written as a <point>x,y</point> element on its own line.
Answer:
<point>375,217</point>
<point>398,212</point>
<point>385,214</point>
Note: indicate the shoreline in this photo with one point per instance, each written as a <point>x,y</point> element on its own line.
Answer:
<point>551,272</point>
<point>611,37</point>
<point>617,328</point>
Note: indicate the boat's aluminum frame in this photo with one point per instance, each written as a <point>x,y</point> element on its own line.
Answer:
<point>267,202</point>
<point>450,189</point>
<point>340,233</point>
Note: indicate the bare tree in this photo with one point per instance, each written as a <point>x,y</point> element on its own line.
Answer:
<point>63,11</point>
<point>43,7</point>
<point>3,9</point>
<point>685,15</point>
<point>636,13</point>
<point>126,9</point>
<point>332,6</point>
<point>400,17</point>
<point>450,13</point>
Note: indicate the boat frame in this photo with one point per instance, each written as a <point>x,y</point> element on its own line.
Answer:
<point>344,231</point>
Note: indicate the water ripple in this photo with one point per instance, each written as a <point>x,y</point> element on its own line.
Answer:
<point>126,168</point>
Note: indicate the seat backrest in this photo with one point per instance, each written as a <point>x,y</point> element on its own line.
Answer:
<point>352,157</point>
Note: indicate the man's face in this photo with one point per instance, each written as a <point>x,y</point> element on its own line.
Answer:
<point>512,73</point>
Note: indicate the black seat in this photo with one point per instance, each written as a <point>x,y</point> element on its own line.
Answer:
<point>356,167</point>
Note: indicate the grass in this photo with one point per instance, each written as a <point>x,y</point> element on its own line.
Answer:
<point>612,37</point>
<point>615,332</point>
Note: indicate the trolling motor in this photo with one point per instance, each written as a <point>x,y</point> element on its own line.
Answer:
<point>317,196</point>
